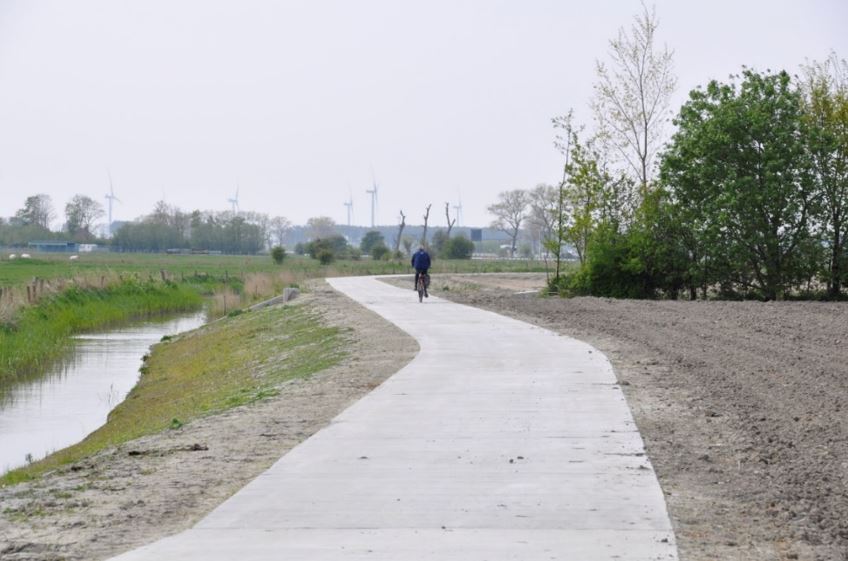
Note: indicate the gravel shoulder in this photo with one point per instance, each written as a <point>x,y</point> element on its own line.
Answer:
<point>162,484</point>
<point>743,407</point>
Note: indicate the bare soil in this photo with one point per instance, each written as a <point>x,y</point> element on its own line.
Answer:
<point>743,407</point>
<point>162,484</point>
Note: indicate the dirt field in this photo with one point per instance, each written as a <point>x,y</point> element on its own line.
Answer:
<point>743,407</point>
<point>162,484</point>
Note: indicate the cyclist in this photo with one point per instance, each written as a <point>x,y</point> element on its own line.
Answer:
<point>421,263</point>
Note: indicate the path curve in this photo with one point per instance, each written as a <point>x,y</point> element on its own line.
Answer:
<point>500,440</point>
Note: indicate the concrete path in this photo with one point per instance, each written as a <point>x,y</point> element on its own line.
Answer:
<point>500,440</point>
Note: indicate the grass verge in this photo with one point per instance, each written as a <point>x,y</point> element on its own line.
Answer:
<point>228,363</point>
<point>40,333</point>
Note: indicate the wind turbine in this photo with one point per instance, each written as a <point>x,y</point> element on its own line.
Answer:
<point>110,196</point>
<point>234,201</point>
<point>458,210</point>
<point>373,193</point>
<point>349,204</point>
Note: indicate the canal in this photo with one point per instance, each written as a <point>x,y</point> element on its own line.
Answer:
<point>73,398</point>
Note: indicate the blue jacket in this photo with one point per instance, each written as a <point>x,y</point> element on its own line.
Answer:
<point>421,260</point>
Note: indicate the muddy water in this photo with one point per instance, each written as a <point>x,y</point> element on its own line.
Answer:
<point>73,398</point>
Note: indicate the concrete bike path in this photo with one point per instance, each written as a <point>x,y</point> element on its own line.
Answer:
<point>500,440</point>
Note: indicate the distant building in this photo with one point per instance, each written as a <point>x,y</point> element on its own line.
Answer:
<point>54,247</point>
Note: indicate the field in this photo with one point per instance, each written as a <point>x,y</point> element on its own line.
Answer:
<point>51,266</point>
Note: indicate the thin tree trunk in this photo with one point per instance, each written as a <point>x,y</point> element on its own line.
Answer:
<point>401,226</point>
<point>426,220</point>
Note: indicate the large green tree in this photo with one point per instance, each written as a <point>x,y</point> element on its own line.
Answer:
<point>740,171</point>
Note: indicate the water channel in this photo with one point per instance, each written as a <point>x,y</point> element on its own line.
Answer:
<point>73,398</point>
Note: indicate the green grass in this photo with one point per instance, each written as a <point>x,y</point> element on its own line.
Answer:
<point>179,267</point>
<point>39,334</point>
<point>225,364</point>
<point>51,266</point>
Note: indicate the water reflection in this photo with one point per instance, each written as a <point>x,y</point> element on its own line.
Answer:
<point>73,398</point>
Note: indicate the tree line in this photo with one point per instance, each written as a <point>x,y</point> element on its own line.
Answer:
<point>747,199</point>
<point>168,227</point>
<point>32,221</point>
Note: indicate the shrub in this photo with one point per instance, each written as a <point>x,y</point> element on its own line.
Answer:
<point>380,251</point>
<point>278,254</point>
<point>458,247</point>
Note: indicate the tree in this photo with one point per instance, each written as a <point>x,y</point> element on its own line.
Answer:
<point>826,109</point>
<point>81,213</point>
<point>399,236</point>
<point>544,212</point>
<point>633,93</point>
<point>448,218</point>
<point>370,240</point>
<point>562,142</point>
<point>740,155</point>
<point>426,220</point>
<point>510,212</point>
<point>279,228</point>
<point>320,227</point>
<point>37,210</point>
<point>440,239</point>
<point>278,254</point>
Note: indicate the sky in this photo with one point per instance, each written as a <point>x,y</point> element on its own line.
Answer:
<point>301,105</point>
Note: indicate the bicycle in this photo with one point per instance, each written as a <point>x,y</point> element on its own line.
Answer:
<point>423,285</point>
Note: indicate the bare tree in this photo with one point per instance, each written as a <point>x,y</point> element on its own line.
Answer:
<point>510,212</point>
<point>632,95</point>
<point>279,227</point>
<point>401,226</point>
<point>320,227</point>
<point>450,222</point>
<point>426,220</point>
<point>544,203</point>
<point>81,213</point>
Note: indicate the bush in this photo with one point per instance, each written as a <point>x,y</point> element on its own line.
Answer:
<point>458,247</point>
<point>278,254</point>
<point>371,240</point>
<point>379,252</point>
<point>327,250</point>
<point>325,256</point>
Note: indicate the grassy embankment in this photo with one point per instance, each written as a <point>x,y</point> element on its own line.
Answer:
<point>228,363</point>
<point>40,333</point>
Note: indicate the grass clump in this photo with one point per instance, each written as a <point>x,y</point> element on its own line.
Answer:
<point>228,363</point>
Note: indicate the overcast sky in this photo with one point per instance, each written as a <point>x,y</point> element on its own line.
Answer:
<point>297,101</point>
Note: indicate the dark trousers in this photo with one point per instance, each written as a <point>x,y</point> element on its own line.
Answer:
<point>417,274</point>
